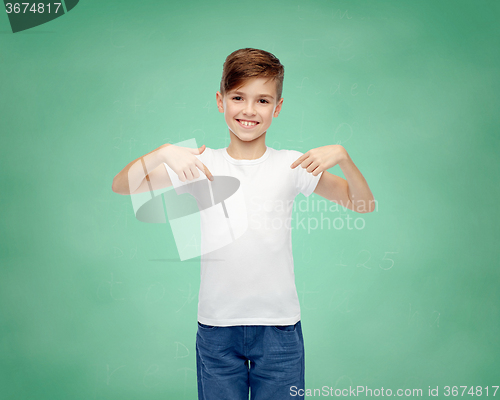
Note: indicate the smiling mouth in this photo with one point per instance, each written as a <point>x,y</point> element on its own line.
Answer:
<point>247,124</point>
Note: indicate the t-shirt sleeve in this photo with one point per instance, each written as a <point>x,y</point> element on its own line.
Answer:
<point>305,182</point>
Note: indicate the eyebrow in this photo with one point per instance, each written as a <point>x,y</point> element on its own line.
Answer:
<point>260,95</point>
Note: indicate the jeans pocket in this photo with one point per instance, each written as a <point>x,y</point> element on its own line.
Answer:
<point>284,328</point>
<point>206,327</point>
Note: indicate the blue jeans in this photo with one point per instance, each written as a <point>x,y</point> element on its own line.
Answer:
<point>268,360</point>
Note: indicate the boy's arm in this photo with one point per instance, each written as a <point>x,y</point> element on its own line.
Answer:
<point>352,193</point>
<point>334,188</point>
<point>133,179</point>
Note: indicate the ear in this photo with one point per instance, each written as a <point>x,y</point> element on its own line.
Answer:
<point>278,108</point>
<point>220,102</point>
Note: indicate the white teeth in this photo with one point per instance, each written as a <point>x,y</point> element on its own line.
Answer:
<point>248,123</point>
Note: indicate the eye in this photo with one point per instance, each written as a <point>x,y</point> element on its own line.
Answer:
<point>236,97</point>
<point>264,100</point>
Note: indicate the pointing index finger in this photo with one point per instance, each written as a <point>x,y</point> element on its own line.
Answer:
<point>298,161</point>
<point>205,170</point>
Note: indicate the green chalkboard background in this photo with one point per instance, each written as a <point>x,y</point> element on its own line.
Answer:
<point>95,304</point>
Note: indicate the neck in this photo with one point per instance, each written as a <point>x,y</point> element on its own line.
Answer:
<point>242,150</point>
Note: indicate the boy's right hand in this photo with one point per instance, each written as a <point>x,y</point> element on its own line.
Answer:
<point>183,162</point>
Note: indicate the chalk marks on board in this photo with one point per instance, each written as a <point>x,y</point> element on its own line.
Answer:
<point>189,297</point>
<point>388,262</point>
<point>434,320</point>
<point>300,135</point>
<point>342,133</point>
<point>131,253</point>
<point>353,89</point>
<point>155,293</point>
<point>151,376</point>
<point>308,14</point>
<point>383,260</point>
<point>305,48</point>
<point>366,258</point>
<point>121,214</point>
<point>338,13</point>
<point>416,315</point>
<point>341,302</point>
<point>302,293</point>
<point>385,263</point>
<point>342,49</point>
<point>275,144</point>
<point>370,90</point>
<point>109,373</point>
<point>181,350</point>
<point>135,105</point>
<point>110,289</point>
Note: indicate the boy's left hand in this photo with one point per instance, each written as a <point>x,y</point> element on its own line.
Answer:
<point>321,158</point>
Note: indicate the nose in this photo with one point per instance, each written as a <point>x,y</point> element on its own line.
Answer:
<point>249,109</point>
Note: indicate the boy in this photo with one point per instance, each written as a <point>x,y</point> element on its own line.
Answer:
<point>249,329</point>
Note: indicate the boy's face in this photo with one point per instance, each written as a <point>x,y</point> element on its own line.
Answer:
<point>255,101</point>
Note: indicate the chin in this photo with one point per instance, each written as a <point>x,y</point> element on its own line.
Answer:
<point>244,136</point>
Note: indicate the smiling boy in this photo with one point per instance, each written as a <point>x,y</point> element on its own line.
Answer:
<point>249,333</point>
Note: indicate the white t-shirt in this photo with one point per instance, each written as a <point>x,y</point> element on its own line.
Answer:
<point>251,281</point>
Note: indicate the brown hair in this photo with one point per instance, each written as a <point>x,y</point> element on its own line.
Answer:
<point>244,64</point>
